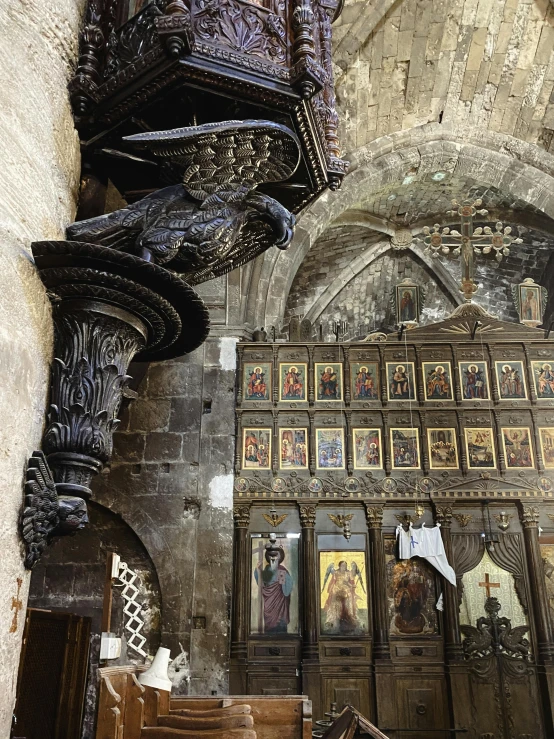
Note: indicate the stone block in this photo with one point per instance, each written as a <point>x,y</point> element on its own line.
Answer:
<point>163,447</point>
<point>173,378</point>
<point>128,447</point>
<point>149,415</point>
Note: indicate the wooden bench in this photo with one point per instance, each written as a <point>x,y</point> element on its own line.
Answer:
<point>129,710</point>
<point>275,716</point>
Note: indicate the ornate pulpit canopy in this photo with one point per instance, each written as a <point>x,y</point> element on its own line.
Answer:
<point>151,66</point>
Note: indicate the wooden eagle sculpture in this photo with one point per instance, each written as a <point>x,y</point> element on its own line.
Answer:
<point>215,220</point>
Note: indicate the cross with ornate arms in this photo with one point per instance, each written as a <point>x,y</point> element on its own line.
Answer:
<point>488,584</point>
<point>443,241</point>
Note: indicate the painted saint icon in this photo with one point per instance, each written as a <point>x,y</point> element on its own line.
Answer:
<point>438,383</point>
<point>511,380</point>
<point>474,381</point>
<point>443,452</point>
<point>365,381</point>
<point>274,600</point>
<point>405,448</point>
<point>367,449</point>
<point>292,382</point>
<point>294,448</point>
<point>411,591</point>
<point>343,593</point>
<point>480,448</point>
<point>330,449</point>
<point>546,436</point>
<point>544,379</point>
<point>517,447</point>
<point>257,382</point>
<point>256,448</point>
<point>530,300</point>
<point>400,381</point>
<point>329,381</point>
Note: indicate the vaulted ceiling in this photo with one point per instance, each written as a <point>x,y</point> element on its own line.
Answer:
<point>472,63</point>
<point>438,100</point>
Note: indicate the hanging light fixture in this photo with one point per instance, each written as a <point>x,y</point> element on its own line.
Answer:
<point>489,537</point>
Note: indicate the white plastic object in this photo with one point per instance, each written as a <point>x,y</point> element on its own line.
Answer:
<point>110,646</point>
<point>156,675</point>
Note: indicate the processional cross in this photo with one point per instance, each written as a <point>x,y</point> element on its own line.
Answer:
<point>446,240</point>
<point>488,584</point>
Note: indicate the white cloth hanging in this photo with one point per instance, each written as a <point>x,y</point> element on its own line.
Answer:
<point>425,543</point>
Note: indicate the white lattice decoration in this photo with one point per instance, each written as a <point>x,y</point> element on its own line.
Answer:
<point>134,624</point>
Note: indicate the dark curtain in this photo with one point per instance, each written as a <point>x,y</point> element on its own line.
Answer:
<point>468,552</point>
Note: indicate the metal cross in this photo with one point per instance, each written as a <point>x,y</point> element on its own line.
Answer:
<point>443,241</point>
<point>488,584</point>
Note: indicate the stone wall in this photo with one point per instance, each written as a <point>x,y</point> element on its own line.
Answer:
<point>38,184</point>
<point>171,480</point>
<point>371,269</point>
<point>365,301</point>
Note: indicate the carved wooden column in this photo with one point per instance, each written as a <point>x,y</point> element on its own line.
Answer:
<point>347,383</point>
<point>309,615</point>
<point>374,517</point>
<point>385,680</point>
<point>239,621</point>
<point>529,515</point>
<point>453,647</point>
<point>311,680</point>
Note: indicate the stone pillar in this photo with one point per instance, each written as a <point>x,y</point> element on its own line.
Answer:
<point>238,677</point>
<point>453,647</point>
<point>381,648</point>
<point>529,515</point>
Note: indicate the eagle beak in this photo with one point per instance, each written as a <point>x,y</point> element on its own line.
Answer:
<point>285,239</point>
<point>284,230</point>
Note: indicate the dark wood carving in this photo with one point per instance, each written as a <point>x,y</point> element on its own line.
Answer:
<point>274,57</point>
<point>502,675</point>
<point>108,307</point>
<point>46,514</point>
<point>215,220</point>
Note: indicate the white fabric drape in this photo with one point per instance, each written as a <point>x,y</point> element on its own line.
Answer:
<point>425,543</point>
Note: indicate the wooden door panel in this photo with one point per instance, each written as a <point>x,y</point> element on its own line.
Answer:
<point>266,684</point>
<point>421,704</point>
<point>343,691</point>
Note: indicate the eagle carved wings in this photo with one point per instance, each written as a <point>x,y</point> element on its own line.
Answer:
<point>215,220</point>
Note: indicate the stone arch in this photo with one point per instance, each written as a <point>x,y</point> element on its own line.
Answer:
<point>370,255</point>
<point>523,170</point>
<point>70,577</point>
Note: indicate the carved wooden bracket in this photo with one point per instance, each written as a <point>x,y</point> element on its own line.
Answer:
<point>108,307</point>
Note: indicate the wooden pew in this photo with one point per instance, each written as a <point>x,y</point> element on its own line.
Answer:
<point>275,716</point>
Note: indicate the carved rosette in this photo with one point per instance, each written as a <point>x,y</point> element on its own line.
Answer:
<point>89,378</point>
<point>374,516</point>
<point>307,516</point>
<point>241,515</point>
<point>529,515</point>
